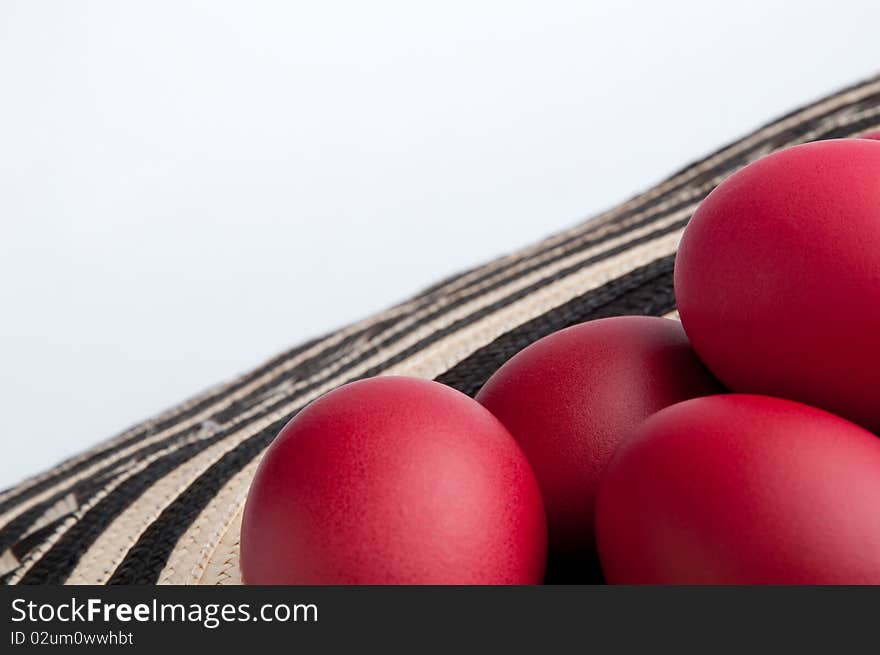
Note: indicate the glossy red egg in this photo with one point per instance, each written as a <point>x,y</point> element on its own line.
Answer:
<point>393,480</point>
<point>742,489</point>
<point>570,398</point>
<point>777,278</point>
<point>871,135</point>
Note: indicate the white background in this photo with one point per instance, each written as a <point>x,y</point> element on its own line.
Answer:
<point>187,188</point>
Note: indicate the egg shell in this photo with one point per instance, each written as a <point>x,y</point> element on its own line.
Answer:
<point>570,398</point>
<point>777,278</point>
<point>742,489</point>
<point>393,480</point>
<point>871,135</point>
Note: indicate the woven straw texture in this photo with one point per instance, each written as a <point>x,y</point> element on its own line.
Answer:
<point>161,503</point>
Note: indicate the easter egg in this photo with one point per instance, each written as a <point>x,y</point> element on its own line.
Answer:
<point>570,398</point>
<point>393,480</point>
<point>777,278</point>
<point>742,489</point>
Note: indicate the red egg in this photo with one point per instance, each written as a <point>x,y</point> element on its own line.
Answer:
<point>777,278</point>
<point>742,489</point>
<point>871,135</point>
<point>570,398</point>
<point>393,481</point>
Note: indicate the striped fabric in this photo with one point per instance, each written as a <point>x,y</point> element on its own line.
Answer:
<point>161,502</point>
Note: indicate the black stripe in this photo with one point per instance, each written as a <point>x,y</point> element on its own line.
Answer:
<point>853,128</point>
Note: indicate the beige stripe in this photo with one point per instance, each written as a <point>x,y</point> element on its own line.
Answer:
<point>188,562</point>
<point>223,568</point>
<point>8,561</point>
<point>62,507</point>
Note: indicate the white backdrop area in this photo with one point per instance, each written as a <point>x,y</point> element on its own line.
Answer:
<point>188,187</point>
